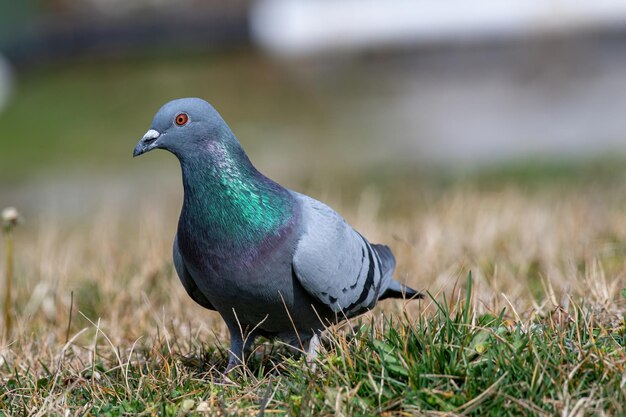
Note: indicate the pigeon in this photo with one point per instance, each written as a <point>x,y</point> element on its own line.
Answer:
<point>271,261</point>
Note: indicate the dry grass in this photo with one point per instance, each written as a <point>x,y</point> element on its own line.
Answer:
<point>135,343</point>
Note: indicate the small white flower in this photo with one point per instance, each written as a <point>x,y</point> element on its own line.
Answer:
<point>10,217</point>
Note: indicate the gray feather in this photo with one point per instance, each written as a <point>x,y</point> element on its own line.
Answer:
<point>187,280</point>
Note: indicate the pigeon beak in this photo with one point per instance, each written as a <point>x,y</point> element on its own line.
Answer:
<point>147,143</point>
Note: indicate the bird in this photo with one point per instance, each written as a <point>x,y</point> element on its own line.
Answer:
<point>271,261</point>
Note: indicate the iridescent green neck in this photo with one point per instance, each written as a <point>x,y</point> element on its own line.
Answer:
<point>228,202</point>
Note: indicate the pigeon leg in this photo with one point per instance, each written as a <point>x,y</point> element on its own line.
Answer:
<point>239,348</point>
<point>236,353</point>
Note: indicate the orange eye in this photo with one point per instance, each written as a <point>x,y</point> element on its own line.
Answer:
<point>181,119</point>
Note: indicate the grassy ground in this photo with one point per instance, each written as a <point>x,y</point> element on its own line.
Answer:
<point>103,326</point>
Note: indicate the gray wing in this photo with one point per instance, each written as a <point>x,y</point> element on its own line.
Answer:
<point>335,264</point>
<point>187,281</point>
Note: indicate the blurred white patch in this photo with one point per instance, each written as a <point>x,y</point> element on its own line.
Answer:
<point>6,82</point>
<point>295,27</point>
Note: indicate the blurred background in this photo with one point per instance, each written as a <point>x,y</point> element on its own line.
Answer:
<point>362,90</point>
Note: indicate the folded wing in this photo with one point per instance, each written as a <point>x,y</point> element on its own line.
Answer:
<point>336,265</point>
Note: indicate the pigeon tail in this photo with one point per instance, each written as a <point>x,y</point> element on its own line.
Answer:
<point>386,257</point>
<point>398,290</point>
<point>395,289</point>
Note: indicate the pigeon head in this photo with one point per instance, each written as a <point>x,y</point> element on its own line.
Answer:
<point>182,126</point>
